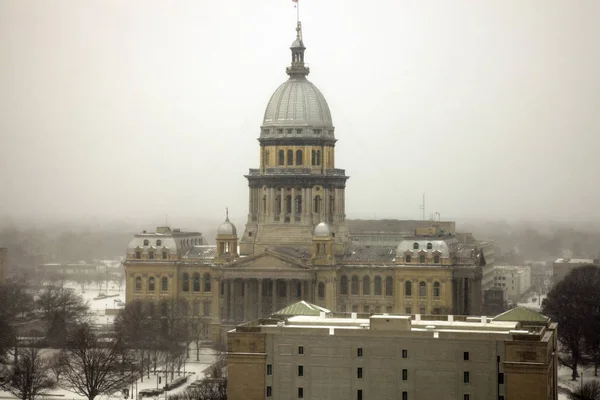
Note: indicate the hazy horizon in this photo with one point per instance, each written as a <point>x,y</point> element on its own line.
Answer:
<point>133,110</point>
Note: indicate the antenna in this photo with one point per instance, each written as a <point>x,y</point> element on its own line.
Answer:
<point>422,207</point>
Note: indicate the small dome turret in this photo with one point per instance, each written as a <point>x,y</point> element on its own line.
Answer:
<point>322,230</point>
<point>227,228</point>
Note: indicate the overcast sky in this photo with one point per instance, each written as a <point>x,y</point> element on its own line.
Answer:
<point>140,108</point>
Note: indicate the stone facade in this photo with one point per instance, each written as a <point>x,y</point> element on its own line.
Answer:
<point>393,357</point>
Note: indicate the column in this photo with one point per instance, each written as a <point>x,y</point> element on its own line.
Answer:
<point>303,294</point>
<point>216,301</point>
<point>304,209</point>
<point>309,204</point>
<point>231,299</point>
<point>293,213</point>
<point>246,301</point>
<point>259,311</point>
<point>282,201</point>
<point>274,297</point>
<point>288,292</point>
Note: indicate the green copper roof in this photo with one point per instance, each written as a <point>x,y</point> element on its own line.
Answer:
<point>521,314</point>
<point>302,308</point>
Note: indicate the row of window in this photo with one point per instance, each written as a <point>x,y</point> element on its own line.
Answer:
<point>422,259</point>
<point>182,242</point>
<point>416,246</point>
<point>297,131</point>
<point>389,287</point>
<point>151,255</point>
<point>164,283</point>
<point>354,285</point>
<point>317,204</point>
<point>289,160</point>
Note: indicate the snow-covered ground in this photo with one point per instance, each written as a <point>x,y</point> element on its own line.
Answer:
<point>534,302</point>
<point>98,307</point>
<point>194,369</point>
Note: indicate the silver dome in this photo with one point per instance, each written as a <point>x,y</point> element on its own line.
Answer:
<point>298,103</point>
<point>227,228</point>
<point>322,230</point>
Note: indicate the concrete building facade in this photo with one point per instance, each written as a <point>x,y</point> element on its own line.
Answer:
<point>562,266</point>
<point>381,356</point>
<point>515,280</point>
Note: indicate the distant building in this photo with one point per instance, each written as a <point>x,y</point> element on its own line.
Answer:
<point>563,266</point>
<point>3,265</point>
<point>494,301</point>
<point>320,355</point>
<point>515,280</point>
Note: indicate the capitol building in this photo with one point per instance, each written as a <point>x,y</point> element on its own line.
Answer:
<point>297,244</point>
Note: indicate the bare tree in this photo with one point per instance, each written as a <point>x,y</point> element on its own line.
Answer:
<point>28,377</point>
<point>572,303</point>
<point>7,338</point>
<point>94,367</point>
<point>61,308</point>
<point>58,365</point>
<point>588,391</point>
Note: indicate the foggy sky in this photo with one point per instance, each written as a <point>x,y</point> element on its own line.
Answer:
<point>141,108</point>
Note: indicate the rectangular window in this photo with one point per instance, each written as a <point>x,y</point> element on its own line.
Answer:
<point>164,255</point>
<point>466,397</point>
<point>300,370</point>
<point>359,352</point>
<point>466,356</point>
<point>355,308</point>
<point>206,308</point>
<point>404,353</point>
<point>359,373</point>
<point>300,349</point>
<point>501,378</point>
<point>269,369</point>
<point>465,377</point>
<point>404,395</point>
<point>388,309</point>
<point>377,309</point>
<point>359,394</point>
<point>300,393</point>
<point>422,310</point>
<point>366,309</point>
<point>269,391</point>
<point>408,310</point>
<point>500,397</point>
<point>138,255</point>
<point>404,374</point>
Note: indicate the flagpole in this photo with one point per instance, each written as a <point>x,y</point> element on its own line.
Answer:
<point>297,11</point>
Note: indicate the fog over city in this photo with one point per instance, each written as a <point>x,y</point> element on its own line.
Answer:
<point>138,109</point>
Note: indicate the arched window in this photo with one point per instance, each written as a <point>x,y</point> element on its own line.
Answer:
<point>317,205</point>
<point>331,205</point>
<point>264,204</point>
<point>429,246</point>
<point>436,289</point>
<point>151,284</point>
<point>422,289</point>
<point>377,285</point>
<point>436,259</point>
<point>146,242</point>
<point>321,290</point>
<point>186,282</point>
<point>159,242</point>
<point>318,157</point>
<point>138,284</point>
<point>290,157</point>
<point>389,286</point>
<point>278,204</point>
<point>408,258</point>
<point>207,282</point>
<point>344,284</point>
<point>354,285</point>
<point>366,286</point>
<point>416,246</point>
<point>298,204</point>
<point>422,258</point>
<point>408,289</point>
<point>281,157</point>
<point>298,157</point>
<point>164,284</point>
<point>196,282</point>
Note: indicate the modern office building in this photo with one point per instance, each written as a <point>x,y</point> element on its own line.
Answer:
<point>321,355</point>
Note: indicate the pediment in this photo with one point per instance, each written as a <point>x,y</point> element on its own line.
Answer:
<point>269,260</point>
